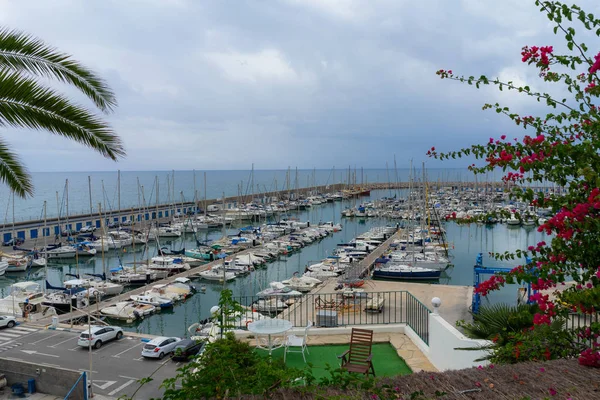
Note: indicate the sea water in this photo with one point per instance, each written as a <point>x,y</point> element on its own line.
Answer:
<point>139,188</point>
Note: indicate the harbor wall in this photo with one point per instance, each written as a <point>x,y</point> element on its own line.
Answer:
<point>48,379</point>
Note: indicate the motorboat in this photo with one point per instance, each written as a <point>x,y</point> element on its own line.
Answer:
<point>235,267</point>
<point>84,249</point>
<point>214,274</point>
<point>135,277</point>
<point>328,265</point>
<point>406,272</point>
<point>269,305</point>
<point>25,297</point>
<point>154,300</point>
<point>100,283</point>
<point>180,287</point>
<point>301,284</point>
<point>127,311</point>
<point>278,289</point>
<point>205,254</point>
<point>168,264</point>
<point>321,275</point>
<point>3,267</point>
<point>61,252</point>
<point>66,300</point>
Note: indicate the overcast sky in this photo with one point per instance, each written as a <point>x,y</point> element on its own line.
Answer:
<point>308,83</point>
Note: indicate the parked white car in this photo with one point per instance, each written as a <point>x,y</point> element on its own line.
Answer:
<point>159,347</point>
<point>100,335</point>
<point>87,229</point>
<point>7,321</point>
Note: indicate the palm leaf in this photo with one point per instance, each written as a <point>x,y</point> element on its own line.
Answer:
<point>24,53</point>
<point>497,318</point>
<point>13,173</point>
<point>26,103</point>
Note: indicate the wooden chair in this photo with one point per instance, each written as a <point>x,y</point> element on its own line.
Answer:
<point>358,357</point>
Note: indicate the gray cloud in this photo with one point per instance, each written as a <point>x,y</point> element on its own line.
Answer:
<point>223,84</point>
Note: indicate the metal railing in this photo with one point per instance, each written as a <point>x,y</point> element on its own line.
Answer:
<point>80,383</point>
<point>343,308</point>
<point>577,321</point>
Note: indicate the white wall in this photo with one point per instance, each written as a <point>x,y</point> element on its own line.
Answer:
<point>443,341</point>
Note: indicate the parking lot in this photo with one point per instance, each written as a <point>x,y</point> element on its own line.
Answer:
<point>116,366</point>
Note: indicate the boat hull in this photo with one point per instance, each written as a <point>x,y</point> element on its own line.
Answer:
<point>412,275</point>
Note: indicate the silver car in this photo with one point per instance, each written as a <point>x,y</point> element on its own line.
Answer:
<point>160,347</point>
<point>100,335</point>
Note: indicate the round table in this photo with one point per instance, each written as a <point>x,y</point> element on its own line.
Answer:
<point>270,327</point>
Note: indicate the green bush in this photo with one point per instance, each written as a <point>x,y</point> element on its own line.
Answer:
<point>515,337</point>
<point>228,367</point>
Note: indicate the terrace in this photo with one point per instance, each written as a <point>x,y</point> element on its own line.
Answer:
<point>420,337</point>
<point>393,353</point>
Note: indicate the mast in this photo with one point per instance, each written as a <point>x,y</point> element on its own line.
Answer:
<point>137,178</point>
<point>57,214</point>
<point>223,216</point>
<point>252,184</point>
<point>103,193</point>
<point>205,196</point>
<point>67,208</point>
<point>133,238</point>
<point>296,184</point>
<point>156,180</point>
<point>90,193</point>
<point>387,171</point>
<point>174,207</point>
<point>102,237</point>
<point>287,181</point>
<point>396,173</point>
<point>45,248</point>
<point>14,234</point>
<point>195,192</point>
<point>119,189</point>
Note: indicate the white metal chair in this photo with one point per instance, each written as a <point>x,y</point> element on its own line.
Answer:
<point>297,344</point>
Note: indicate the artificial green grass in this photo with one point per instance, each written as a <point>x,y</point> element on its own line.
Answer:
<point>385,359</point>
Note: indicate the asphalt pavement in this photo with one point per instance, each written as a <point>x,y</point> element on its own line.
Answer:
<point>116,367</point>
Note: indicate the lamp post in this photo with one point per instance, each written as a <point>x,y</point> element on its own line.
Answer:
<point>91,394</point>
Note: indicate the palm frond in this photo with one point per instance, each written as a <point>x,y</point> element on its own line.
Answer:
<point>497,318</point>
<point>26,103</point>
<point>13,173</point>
<point>22,52</point>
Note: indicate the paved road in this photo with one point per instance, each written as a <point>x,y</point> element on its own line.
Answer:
<point>116,365</point>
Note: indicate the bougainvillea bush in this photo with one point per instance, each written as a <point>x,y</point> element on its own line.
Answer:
<point>560,148</point>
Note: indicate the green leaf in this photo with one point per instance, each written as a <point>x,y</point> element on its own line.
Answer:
<point>24,53</point>
<point>13,173</point>
<point>24,103</point>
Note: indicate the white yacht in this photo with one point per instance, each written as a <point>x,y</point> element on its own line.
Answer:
<point>216,275</point>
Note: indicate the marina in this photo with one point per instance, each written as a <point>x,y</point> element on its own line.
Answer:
<point>293,257</point>
<point>345,257</point>
<point>176,319</point>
